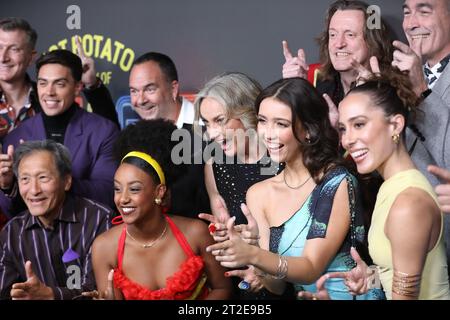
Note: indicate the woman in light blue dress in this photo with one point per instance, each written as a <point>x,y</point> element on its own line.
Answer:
<point>309,216</point>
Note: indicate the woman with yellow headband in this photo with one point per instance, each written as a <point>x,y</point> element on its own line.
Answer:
<point>153,255</point>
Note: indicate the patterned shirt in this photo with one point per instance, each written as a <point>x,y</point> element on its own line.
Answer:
<point>433,73</point>
<point>8,117</point>
<point>61,255</point>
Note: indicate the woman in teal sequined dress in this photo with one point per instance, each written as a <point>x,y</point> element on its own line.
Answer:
<point>309,216</point>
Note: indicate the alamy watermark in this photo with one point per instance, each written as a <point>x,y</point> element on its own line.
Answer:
<point>191,149</point>
<point>374,18</point>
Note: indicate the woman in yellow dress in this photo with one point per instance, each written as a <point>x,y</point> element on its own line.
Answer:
<point>405,236</point>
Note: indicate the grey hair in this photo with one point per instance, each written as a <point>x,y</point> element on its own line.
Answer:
<point>60,154</point>
<point>237,92</point>
<point>13,24</point>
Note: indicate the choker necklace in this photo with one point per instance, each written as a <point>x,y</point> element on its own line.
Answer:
<point>150,244</point>
<point>297,187</point>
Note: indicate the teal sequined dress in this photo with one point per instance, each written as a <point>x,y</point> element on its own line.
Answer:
<point>310,222</point>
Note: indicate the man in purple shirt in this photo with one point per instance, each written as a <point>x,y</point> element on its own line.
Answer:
<point>88,137</point>
<point>45,252</point>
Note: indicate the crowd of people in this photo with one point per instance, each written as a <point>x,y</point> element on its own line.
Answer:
<point>330,183</point>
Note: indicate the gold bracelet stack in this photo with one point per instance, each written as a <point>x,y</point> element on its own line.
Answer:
<point>282,268</point>
<point>405,284</point>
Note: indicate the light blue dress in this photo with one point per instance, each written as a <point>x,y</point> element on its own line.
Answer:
<point>310,222</point>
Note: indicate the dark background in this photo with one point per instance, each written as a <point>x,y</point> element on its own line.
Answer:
<point>203,37</point>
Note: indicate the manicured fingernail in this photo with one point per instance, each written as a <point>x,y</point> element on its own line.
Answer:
<point>227,274</point>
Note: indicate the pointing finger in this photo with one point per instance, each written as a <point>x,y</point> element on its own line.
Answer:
<point>302,59</point>
<point>287,53</point>
<point>10,151</point>
<point>402,46</point>
<point>416,46</point>
<point>208,217</point>
<point>374,65</point>
<point>236,273</point>
<point>28,270</point>
<point>440,173</point>
<point>80,48</point>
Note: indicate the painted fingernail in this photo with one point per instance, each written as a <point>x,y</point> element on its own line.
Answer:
<point>212,228</point>
<point>227,274</point>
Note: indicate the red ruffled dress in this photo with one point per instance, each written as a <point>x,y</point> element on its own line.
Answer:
<point>188,283</point>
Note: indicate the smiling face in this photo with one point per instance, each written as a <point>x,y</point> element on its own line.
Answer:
<point>346,39</point>
<point>57,88</point>
<point>134,193</point>
<point>366,133</point>
<point>41,186</point>
<point>220,128</point>
<point>152,96</point>
<point>16,55</point>
<point>275,129</point>
<point>427,26</point>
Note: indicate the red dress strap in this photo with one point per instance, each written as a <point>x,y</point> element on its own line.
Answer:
<point>180,238</point>
<point>120,247</point>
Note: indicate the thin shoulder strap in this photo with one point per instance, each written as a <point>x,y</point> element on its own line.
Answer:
<point>120,247</point>
<point>180,238</point>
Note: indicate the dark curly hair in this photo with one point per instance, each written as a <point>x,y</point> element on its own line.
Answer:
<point>152,137</point>
<point>308,107</point>
<point>393,92</point>
<point>378,40</point>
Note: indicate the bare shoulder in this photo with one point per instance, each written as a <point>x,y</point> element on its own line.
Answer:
<point>190,226</point>
<point>262,188</point>
<point>413,204</point>
<point>194,230</point>
<point>107,241</point>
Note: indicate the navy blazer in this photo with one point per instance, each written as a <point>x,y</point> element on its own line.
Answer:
<point>90,140</point>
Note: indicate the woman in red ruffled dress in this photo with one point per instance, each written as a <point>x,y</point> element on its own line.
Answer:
<point>153,255</point>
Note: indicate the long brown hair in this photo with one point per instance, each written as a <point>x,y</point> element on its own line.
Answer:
<point>321,152</point>
<point>378,40</point>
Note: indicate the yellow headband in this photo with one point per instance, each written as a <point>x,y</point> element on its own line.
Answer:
<point>152,162</point>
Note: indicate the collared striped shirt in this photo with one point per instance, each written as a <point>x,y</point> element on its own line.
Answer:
<point>433,73</point>
<point>60,256</point>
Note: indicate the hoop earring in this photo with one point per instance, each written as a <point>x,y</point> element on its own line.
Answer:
<point>158,201</point>
<point>396,138</point>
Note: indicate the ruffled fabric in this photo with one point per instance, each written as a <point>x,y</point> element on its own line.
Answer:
<point>180,286</point>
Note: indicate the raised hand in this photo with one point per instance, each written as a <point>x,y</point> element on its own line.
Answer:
<point>108,294</point>
<point>294,66</point>
<point>357,279</point>
<point>333,112</point>
<point>442,190</point>
<point>249,275</point>
<point>6,168</point>
<point>32,289</point>
<point>88,78</point>
<point>321,292</point>
<point>409,58</point>
<point>249,232</point>
<point>234,252</point>
<point>363,72</point>
<point>217,227</point>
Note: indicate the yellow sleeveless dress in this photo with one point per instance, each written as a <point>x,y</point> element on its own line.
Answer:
<point>434,284</point>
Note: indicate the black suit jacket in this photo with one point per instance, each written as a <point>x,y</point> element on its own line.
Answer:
<point>188,194</point>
